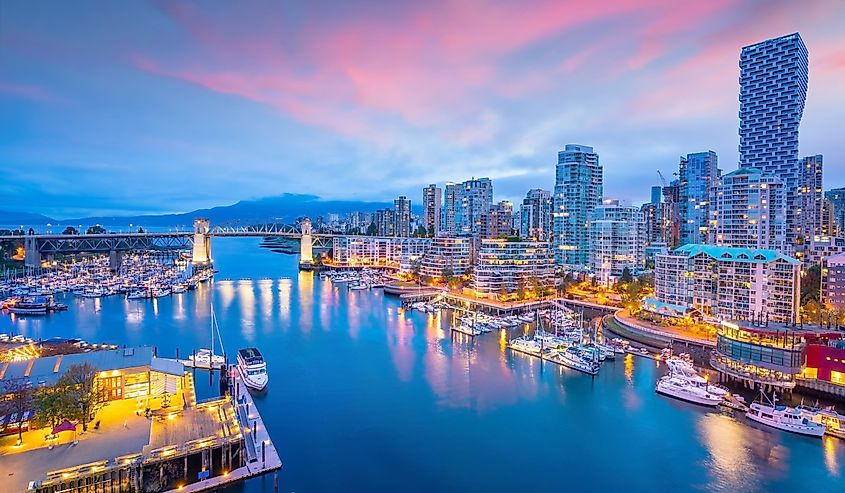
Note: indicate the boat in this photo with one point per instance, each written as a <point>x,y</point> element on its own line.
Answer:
<point>252,368</point>
<point>29,307</point>
<point>524,345</point>
<point>576,359</point>
<point>205,358</point>
<point>690,388</point>
<point>826,416</point>
<point>783,418</point>
<point>138,295</point>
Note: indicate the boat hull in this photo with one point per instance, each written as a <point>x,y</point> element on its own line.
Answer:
<point>687,397</point>
<point>811,431</point>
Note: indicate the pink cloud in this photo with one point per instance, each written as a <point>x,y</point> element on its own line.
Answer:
<point>29,91</point>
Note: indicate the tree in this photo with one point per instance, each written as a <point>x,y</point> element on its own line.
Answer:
<point>810,284</point>
<point>421,232</point>
<point>70,230</point>
<point>79,383</point>
<point>96,230</point>
<point>18,401</point>
<point>431,231</point>
<point>447,273</point>
<point>372,229</point>
<point>140,229</point>
<point>626,276</point>
<point>53,405</point>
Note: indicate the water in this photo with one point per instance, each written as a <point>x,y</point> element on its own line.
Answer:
<point>364,397</point>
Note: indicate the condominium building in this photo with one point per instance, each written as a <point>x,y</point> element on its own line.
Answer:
<point>773,89</point>
<point>447,256</point>
<point>833,281</point>
<point>448,216</point>
<point>508,268</point>
<point>385,221</point>
<point>747,210</point>
<point>536,215</point>
<point>432,204</point>
<point>671,214</point>
<point>697,173</point>
<point>498,221</point>
<point>615,240</point>
<point>836,198</point>
<point>358,251</point>
<point>809,202</point>
<point>828,219</point>
<point>730,283</point>
<point>578,190</point>
<point>474,200</point>
<point>402,216</point>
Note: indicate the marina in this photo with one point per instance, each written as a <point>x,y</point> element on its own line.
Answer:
<point>310,331</point>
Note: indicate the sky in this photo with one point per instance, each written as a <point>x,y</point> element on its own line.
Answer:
<point>164,106</point>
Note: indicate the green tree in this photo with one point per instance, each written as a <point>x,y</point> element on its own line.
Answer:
<point>626,276</point>
<point>86,397</point>
<point>421,232</point>
<point>372,229</point>
<point>431,231</point>
<point>810,284</point>
<point>70,230</point>
<point>52,405</point>
<point>96,230</point>
<point>17,402</point>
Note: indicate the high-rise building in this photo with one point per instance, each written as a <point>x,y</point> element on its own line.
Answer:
<point>828,220</point>
<point>448,224</point>
<point>498,221</point>
<point>747,210</point>
<point>809,201</point>
<point>536,215</point>
<point>432,204</point>
<point>836,197</point>
<point>402,216</point>
<point>578,190</point>
<point>670,214</point>
<point>773,89</point>
<point>697,173</point>
<point>656,194</point>
<point>614,240</point>
<point>385,220</point>
<point>474,200</point>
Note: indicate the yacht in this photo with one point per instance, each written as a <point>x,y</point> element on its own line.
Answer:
<point>690,388</point>
<point>827,416</point>
<point>205,358</point>
<point>252,368</point>
<point>524,345</point>
<point>783,418</point>
<point>29,307</point>
<point>574,358</point>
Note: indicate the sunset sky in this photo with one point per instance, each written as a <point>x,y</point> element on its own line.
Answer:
<point>126,107</point>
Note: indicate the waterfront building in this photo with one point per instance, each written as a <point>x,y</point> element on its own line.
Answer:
<point>824,364</point>
<point>376,251</point>
<point>833,281</point>
<point>432,205</point>
<point>578,191</point>
<point>697,173</point>
<point>730,283</point>
<point>747,210</point>
<point>402,216</point>
<point>447,255</point>
<point>448,216</point>
<point>513,268</point>
<point>536,215</point>
<point>773,89</point>
<point>614,240</point>
<point>498,221</point>
<point>836,197</point>
<point>475,198</point>
<point>759,353</point>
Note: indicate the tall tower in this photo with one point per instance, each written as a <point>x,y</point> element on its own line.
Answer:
<point>697,173</point>
<point>578,190</point>
<point>810,198</point>
<point>747,210</point>
<point>450,207</point>
<point>474,200</point>
<point>402,216</point>
<point>772,91</point>
<point>432,201</point>
<point>536,215</point>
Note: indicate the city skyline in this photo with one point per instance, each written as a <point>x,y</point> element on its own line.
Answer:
<point>211,112</point>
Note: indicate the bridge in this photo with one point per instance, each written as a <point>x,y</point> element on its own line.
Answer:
<point>38,247</point>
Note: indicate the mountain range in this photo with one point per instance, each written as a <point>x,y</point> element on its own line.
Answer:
<point>284,208</point>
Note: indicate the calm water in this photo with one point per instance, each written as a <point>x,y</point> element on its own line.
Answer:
<point>364,397</point>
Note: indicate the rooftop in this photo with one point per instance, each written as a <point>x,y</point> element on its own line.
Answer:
<point>750,255</point>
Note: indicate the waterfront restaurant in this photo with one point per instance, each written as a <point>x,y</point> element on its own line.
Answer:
<point>769,356</point>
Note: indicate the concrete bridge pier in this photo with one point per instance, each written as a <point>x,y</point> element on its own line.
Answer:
<point>306,246</point>
<point>202,242</point>
<point>32,257</point>
<point>115,260</point>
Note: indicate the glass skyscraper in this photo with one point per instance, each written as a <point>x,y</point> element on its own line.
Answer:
<point>578,191</point>
<point>772,91</point>
<point>697,173</point>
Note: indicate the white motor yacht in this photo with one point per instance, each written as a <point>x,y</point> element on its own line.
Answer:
<point>252,368</point>
<point>690,388</point>
<point>530,346</point>
<point>575,359</point>
<point>205,358</point>
<point>783,418</point>
<point>827,416</point>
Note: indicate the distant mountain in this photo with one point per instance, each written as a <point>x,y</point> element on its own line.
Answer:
<point>284,208</point>
<point>18,218</point>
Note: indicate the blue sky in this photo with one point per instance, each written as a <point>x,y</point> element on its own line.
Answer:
<point>145,107</point>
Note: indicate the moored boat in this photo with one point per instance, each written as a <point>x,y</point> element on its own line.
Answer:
<point>252,368</point>
<point>783,418</point>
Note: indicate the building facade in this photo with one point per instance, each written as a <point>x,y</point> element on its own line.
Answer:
<point>747,211</point>
<point>809,201</point>
<point>402,216</point>
<point>432,206</point>
<point>578,191</point>
<point>773,89</point>
<point>730,283</point>
<point>447,256</point>
<point>697,173</point>
<point>513,268</point>
<point>615,240</point>
<point>375,251</point>
<point>833,281</point>
<point>498,221</point>
<point>836,198</point>
<point>448,216</point>
<point>536,215</point>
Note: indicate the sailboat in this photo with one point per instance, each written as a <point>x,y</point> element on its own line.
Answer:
<point>205,358</point>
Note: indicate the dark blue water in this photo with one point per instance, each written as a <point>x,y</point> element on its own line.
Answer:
<point>365,397</point>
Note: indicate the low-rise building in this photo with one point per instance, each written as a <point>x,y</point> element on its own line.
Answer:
<point>730,283</point>
<point>833,281</point>
<point>446,255</point>
<point>759,353</point>
<point>374,251</point>
<point>508,268</point>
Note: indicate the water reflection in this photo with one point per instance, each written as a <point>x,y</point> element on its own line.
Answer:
<point>830,455</point>
<point>729,445</point>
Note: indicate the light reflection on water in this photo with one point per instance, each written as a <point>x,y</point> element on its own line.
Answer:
<point>359,385</point>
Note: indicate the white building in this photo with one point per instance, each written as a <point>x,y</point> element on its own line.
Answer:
<point>615,240</point>
<point>730,283</point>
<point>747,211</point>
<point>535,215</point>
<point>361,251</point>
<point>578,191</point>
<point>507,268</point>
<point>446,255</point>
